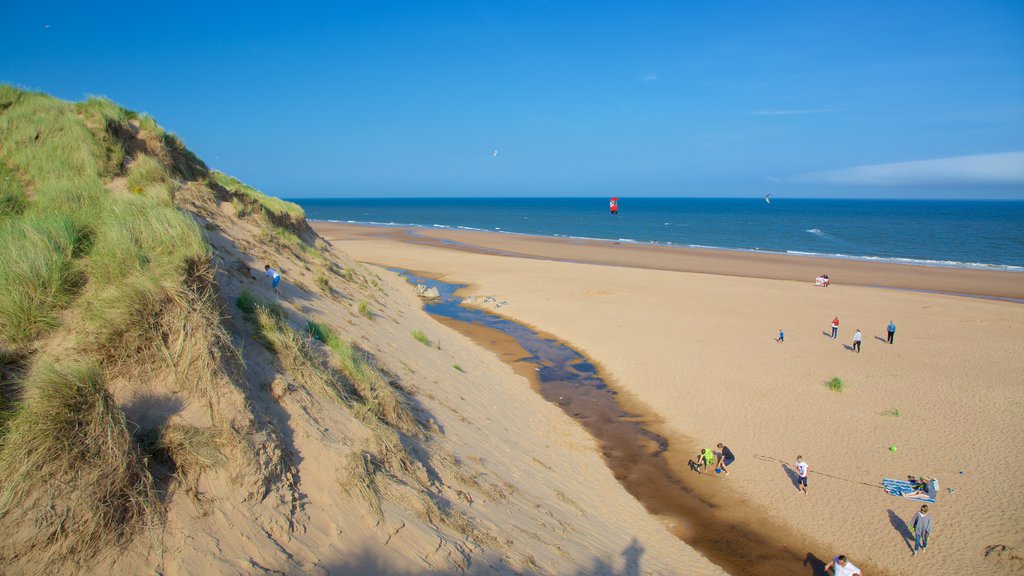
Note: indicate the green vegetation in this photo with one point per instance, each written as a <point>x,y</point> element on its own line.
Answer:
<point>276,208</point>
<point>12,195</point>
<point>895,412</point>
<point>299,358</point>
<point>836,384</point>
<point>457,367</point>
<point>126,279</point>
<point>324,283</point>
<point>377,396</point>
<point>421,337</point>
<point>364,310</point>
<point>72,441</point>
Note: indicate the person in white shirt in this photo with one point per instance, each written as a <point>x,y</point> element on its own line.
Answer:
<point>856,341</point>
<point>842,567</point>
<point>801,472</point>
<point>274,277</point>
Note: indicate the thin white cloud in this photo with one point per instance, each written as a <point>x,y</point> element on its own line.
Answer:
<point>796,112</point>
<point>651,77</point>
<point>984,169</point>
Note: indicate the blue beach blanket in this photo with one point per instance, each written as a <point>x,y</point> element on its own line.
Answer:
<point>904,489</point>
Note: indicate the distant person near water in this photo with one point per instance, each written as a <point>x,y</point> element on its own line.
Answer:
<point>273,275</point>
<point>782,336</point>
<point>891,329</point>
<point>842,567</point>
<point>801,475</point>
<point>835,327</point>
<point>922,525</point>
<point>856,341</point>
<point>725,458</point>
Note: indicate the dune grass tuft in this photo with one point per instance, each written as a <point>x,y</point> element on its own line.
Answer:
<point>364,310</point>
<point>457,367</point>
<point>299,358</point>
<point>12,194</point>
<point>70,468</point>
<point>894,412</point>
<point>421,337</point>
<point>278,209</point>
<point>189,450</point>
<point>835,384</point>
<point>361,480</point>
<point>41,276</point>
<point>377,396</point>
<point>324,283</point>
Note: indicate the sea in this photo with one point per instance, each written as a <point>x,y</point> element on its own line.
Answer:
<point>960,233</point>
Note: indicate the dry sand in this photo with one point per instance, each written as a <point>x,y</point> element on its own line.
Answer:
<point>499,483</point>
<point>699,350</point>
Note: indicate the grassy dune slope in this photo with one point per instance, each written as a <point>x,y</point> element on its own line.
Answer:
<point>110,290</point>
<point>163,411</point>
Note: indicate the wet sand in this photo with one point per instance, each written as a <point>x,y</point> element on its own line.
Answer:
<point>985,283</point>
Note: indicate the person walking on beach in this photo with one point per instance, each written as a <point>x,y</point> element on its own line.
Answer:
<point>891,329</point>
<point>274,277</point>
<point>801,475</point>
<point>842,567</point>
<point>725,458</point>
<point>922,529</point>
<point>782,336</point>
<point>835,327</point>
<point>856,341</point>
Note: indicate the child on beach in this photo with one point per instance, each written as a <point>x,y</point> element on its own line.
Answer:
<point>782,336</point>
<point>801,475</point>
<point>274,277</point>
<point>705,459</point>
<point>835,327</point>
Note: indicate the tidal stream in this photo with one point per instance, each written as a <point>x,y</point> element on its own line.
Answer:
<point>637,456</point>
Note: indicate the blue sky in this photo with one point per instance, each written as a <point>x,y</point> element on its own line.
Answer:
<point>869,99</point>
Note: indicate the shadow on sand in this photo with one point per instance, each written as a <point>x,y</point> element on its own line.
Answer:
<point>900,526</point>
<point>367,563</point>
<point>793,476</point>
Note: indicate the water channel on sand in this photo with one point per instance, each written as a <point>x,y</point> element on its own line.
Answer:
<point>637,456</point>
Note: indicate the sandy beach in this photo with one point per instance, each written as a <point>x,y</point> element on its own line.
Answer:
<point>691,335</point>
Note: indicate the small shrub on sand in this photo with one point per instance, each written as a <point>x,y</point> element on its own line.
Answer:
<point>364,310</point>
<point>836,384</point>
<point>894,412</point>
<point>421,337</point>
<point>457,367</point>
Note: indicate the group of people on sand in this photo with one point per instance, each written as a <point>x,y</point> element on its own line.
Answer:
<point>858,336</point>
<point>720,460</point>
